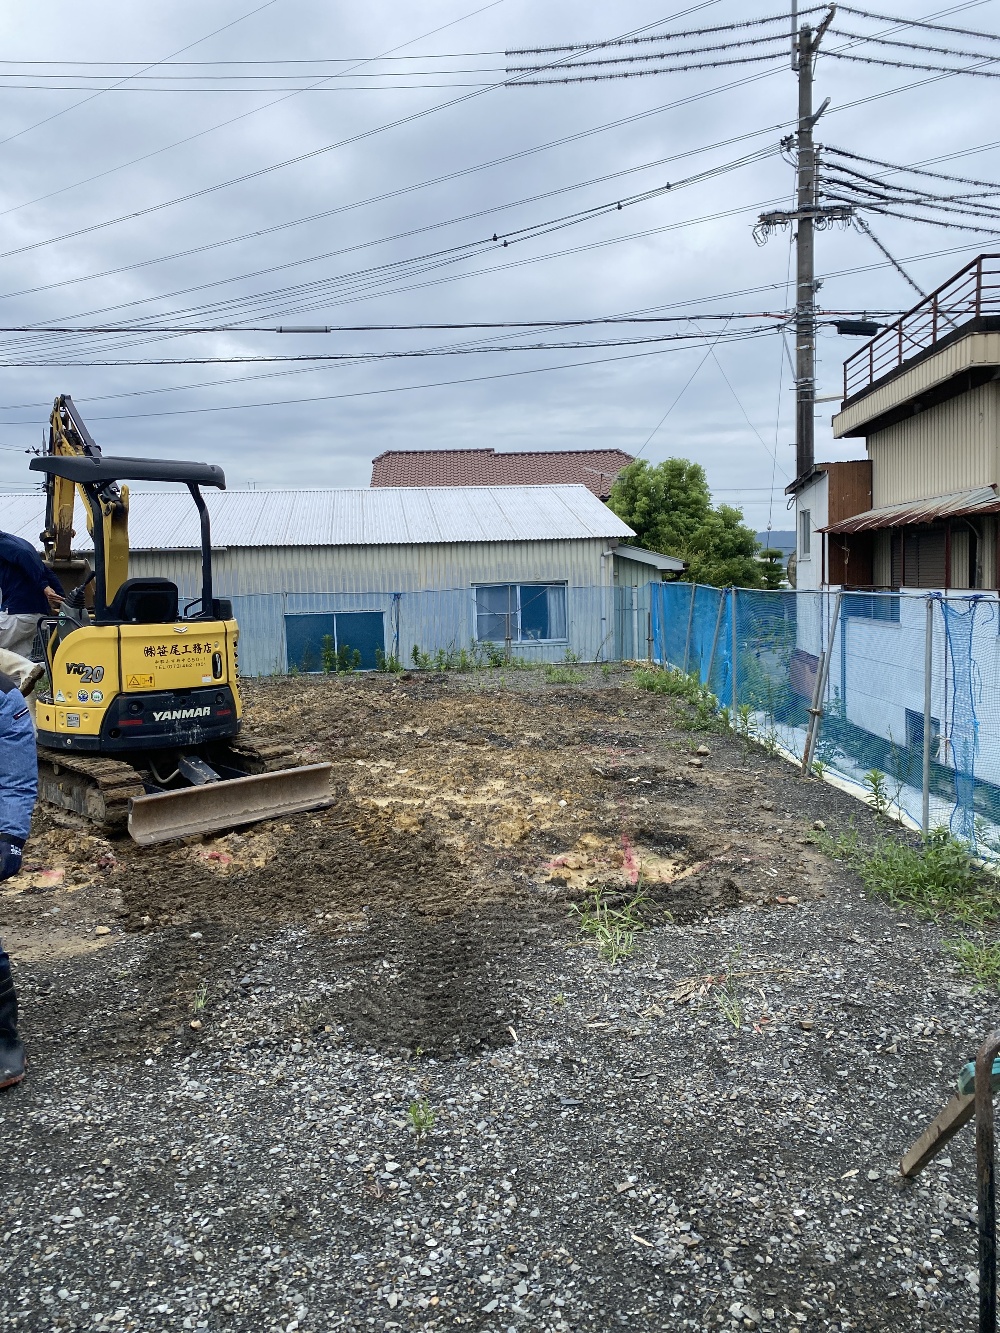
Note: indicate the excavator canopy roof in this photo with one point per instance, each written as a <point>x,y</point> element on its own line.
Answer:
<point>81,468</point>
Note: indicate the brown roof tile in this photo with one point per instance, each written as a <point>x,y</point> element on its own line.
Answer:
<point>594,468</point>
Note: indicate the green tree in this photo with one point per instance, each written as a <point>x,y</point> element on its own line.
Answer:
<point>670,507</point>
<point>772,567</point>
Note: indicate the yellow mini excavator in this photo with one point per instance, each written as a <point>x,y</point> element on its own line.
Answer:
<point>141,723</point>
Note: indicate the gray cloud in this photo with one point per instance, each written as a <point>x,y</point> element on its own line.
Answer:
<point>331,442</point>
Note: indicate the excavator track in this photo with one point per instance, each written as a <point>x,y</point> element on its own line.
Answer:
<point>97,788</point>
<point>102,790</point>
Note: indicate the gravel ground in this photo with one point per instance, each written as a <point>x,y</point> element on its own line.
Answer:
<point>703,1136</point>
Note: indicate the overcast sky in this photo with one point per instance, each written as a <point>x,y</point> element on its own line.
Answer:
<point>77,166</point>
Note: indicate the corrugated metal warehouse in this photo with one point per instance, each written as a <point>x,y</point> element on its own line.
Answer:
<point>385,570</point>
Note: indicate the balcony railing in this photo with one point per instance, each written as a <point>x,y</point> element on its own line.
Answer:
<point>970,294</point>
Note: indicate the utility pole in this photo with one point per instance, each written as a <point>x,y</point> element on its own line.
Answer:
<point>807,216</point>
<point>805,260</point>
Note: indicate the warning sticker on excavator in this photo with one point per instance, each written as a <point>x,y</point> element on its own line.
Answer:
<point>139,683</point>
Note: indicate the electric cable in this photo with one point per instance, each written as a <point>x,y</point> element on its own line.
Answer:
<point>368,393</point>
<point>745,291</point>
<point>299,158</point>
<point>368,357</point>
<point>481,244</point>
<point>918,23</point>
<point>662,37</point>
<point>914,46</point>
<point>899,64</point>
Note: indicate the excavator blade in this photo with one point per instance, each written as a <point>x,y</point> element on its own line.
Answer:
<point>229,804</point>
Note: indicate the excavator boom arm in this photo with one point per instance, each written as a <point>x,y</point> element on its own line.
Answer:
<point>69,437</point>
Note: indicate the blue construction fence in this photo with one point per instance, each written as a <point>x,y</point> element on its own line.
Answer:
<point>906,688</point>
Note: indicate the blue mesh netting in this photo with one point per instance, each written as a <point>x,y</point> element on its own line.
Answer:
<point>875,710</point>
<point>959,625</point>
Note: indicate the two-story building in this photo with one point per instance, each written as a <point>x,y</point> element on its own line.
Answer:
<point>924,394</point>
<point>918,514</point>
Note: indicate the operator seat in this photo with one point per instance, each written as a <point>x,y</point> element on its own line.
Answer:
<point>150,601</point>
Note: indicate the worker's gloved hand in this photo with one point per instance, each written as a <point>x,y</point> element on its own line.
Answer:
<point>10,856</point>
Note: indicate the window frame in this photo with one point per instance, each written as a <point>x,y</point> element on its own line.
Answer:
<point>518,585</point>
<point>805,534</point>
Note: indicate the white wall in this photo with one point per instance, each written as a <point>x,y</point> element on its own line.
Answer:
<point>814,499</point>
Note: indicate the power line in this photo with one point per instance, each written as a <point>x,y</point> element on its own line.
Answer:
<point>76,105</point>
<point>659,37</point>
<point>369,393</point>
<point>257,78</point>
<point>145,157</point>
<point>141,393</point>
<point>364,280</point>
<point>395,268</point>
<point>918,23</point>
<point>914,46</point>
<point>291,88</point>
<point>299,158</point>
<point>402,328</point>
<point>403,190</point>
<point>659,55</point>
<point>913,170</point>
<point>900,64</point>
<point>369,357</point>
<point>314,60</point>
<point>646,73</point>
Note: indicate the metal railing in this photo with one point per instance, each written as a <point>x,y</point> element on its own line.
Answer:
<point>970,294</point>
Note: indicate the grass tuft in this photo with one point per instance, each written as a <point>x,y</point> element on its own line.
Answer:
<point>937,878</point>
<point>977,959</point>
<point>421,1117</point>
<point>563,675</point>
<point>687,687</point>
<point>612,928</point>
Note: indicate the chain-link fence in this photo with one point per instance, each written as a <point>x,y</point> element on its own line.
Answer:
<point>893,695</point>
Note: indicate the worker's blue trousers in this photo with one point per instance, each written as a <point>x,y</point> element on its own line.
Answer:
<point>18,763</point>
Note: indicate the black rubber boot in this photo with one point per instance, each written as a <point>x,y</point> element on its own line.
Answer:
<point>12,1061</point>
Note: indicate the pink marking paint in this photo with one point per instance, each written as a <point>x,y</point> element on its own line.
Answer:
<point>630,863</point>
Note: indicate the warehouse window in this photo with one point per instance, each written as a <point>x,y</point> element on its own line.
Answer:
<point>326,641</point>
<point>522,612</point>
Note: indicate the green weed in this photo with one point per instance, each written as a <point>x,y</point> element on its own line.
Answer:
<point>937,878</point>
<point>743,728</point>
<point>387,662</point>
<point>340,661</point>
<point>328,653</point>
<point>477,657</point>
<point>978,959</point>
<point>878,792</point>
<point>669,681</point>
<point>687,687</point>
<point>200,999</point>
<point>729,1004</point>
<point>612,928</point>
<point>560,675</point>
<point>421,1117</point>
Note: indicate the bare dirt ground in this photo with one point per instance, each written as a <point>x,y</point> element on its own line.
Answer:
<point>226,1035</point>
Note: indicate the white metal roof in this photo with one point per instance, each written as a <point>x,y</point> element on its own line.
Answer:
<point>167,520</point>
<point>643,557</point>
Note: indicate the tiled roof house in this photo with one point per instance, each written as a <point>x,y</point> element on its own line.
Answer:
<point>594,468</point>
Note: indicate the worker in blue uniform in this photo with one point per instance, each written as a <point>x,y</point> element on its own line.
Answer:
<point>28,591</point>
<point>18,792</point>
